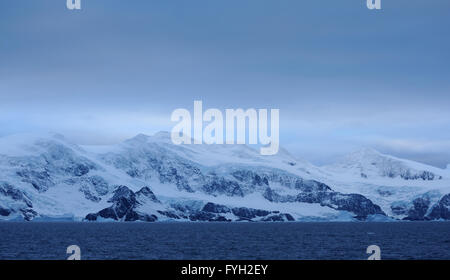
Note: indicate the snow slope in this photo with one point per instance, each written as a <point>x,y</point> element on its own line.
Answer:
<point>388,181</point>
<point>147,178</point>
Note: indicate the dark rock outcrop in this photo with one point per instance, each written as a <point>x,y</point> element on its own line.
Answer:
<point>249,213</point>
<point>418,210</point>
<point>215,208</point>
<point>220,213</point>
<point>355,203</point>
<point>9,191</point>
<point>19,197</point>
<point>220,185</point>
<point>202,216</point>
<point>145,192</point>
<point>28,214</point>
<point>279,218</point>
<point>441,210</point>
<point>4,212</point>
<point>169,214</point>
<point>424,175</point>
<point>40,180</point>
<point>124,203</point>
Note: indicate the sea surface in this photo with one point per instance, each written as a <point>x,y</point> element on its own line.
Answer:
<point>250,241</point>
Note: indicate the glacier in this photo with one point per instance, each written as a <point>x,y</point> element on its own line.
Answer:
<point>149,179</point>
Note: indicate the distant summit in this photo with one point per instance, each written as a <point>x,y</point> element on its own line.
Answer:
<point>369,163</point>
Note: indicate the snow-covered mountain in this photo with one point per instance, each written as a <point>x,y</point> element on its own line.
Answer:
<point>369,163</point>
<point>147,178</point>
<point>404,189</point>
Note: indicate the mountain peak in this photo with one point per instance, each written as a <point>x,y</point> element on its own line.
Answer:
<point>140,138</point>
<point>158,137</point>
<point>368,162</point>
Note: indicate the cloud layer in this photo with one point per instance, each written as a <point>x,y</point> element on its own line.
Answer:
<point>342,76</point>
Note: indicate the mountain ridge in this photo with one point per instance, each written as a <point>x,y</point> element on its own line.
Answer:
<point>47,177</point>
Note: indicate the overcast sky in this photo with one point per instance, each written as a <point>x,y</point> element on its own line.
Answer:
<point>343,76</point>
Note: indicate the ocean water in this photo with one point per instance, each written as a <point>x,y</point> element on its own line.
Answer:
<point>250,241</point>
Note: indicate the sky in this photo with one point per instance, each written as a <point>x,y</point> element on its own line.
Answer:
<point>344,77</point>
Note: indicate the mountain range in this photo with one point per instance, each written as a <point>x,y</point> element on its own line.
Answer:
<point>148,178</point>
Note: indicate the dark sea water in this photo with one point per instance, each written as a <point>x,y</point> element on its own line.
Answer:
<point>409,240</point>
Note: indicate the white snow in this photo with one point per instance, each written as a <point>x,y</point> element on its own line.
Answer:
<point>65,200</point>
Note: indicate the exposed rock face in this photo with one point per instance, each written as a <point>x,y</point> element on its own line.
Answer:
<point>422,208</point>
<point>202,216</point>
<point>125,202</point>
<point>146,193</point>
<point>28,214</point>
<point>248,213</point>
<point>400,209</point>
<point>8,190</point>
<point>42,171</point>
<point>250,177</point>
<point>418,210</point>
<point>279,218</point>
<point>40,180</point>
<point>18,199</point>
<point>145,163</point>
<point>4,212</point>
<point>215,208</point>
<point>212,212</point>
<point>424,175</point>
<point>441,210</point>
<point>217,185</point>
<point>355,203</point>
<point>46,163</point>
